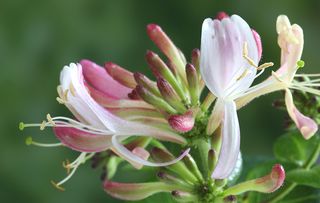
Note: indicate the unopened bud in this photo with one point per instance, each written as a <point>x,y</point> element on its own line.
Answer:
<point>192,166</point>
<point>212,161</point>
<point>167,47</point>
<point>154,100</point>
<point>265,184</point>
<point>169,94</point>
<point>134,95</point>
<point>230,199</point>
<point>159,68</point>
<point>182,123</point>
<point>193,82</point>
<point>120,74</point>
<point>145,82</point>
<point>181,196</point>
<point>221,15</point>
<point>179,168</point>
<point>195,59</point>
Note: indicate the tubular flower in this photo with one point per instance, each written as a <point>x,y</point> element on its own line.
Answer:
<point>290,40</point>
<point>229,58</point>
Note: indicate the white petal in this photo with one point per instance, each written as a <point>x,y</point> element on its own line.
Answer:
<point>136,160</point>
<point>222,62</point>
<point>230,142</point>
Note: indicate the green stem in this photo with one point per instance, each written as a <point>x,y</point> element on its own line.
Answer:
<point>291,186</point>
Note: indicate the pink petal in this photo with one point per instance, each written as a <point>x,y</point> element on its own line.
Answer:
<point>82,141</point>
<point>257,38</point>
<point>142,153</point>
<point>306,125</point>
<point>230,147</point>
<point>99,79</point>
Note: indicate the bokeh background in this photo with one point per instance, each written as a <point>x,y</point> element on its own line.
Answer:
<point>38,37</point>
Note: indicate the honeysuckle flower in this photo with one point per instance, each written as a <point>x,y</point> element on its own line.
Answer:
<point>290,40</point>
<point>229,58</point>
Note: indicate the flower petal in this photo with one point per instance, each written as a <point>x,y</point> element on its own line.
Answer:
<point>222,61</point>
<point>82,141</point>
<point>230,142</point>
<point>98,78</point>
<point>132,158</point>
<point>306,125</point>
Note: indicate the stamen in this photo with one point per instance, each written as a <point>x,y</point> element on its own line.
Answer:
<point>61,101</point>
<point>49,118</point>
<point>72,90</point>
<point>29,141</point>
<point>43,125</point>
<point>82,158</point>
<point>265,65</point>
<point>65,164</point>
<point>307,75</point>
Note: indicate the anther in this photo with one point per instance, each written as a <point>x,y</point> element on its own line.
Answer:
<point>265,65</point>
<point>66,165</point>
<point>72,90</point>
<point>43,125</point>
<point>50,120</point>
<point>245,72</point>
<point>57,186</point>
<point>61,101</point>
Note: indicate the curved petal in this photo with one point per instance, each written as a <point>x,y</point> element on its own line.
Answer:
<point>134,159</point>
<point>230,142</point>
<point>222,62</point>
<point>82,141</point>
<point>98,78</point>
<point>306,125</point>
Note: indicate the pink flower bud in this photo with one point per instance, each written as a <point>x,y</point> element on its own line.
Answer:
<point>221,15</point>
<point>182,123</point>
<point>120,74</point>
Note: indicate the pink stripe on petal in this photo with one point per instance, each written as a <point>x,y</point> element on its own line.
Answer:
<point>306,125</point>
<point>82,141</point>
<point>98,77</point>
<point>257,38</point>
<point>230,142</point>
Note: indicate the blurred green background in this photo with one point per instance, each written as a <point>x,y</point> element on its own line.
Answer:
<point>37,38</point>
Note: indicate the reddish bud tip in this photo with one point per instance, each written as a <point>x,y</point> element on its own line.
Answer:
<point>152,28</point>
<point>195,53</point>
<point>182,123</point>
<point>278,174</point>
<point>221,15</point>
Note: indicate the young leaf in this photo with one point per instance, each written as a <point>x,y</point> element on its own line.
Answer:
<point>306,177</point>
<point>292,148</point>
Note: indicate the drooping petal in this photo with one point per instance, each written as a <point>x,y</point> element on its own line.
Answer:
<point>135,191</point>
<point>82,141</point>
<point>230,142</point>
<point>99,78</point>
<point>132,158</point>
<point>306,125</point>
<point>265,184</point>
<point>222,62</point>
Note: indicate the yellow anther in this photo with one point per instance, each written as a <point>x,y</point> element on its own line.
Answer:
<point>265,65</point>
<point>43,125</point>
<point>61,101</point>
<point>66,165</point>
<point>57,186</point>
<point>50,120</point>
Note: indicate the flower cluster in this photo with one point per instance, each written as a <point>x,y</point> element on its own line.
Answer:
<point>120,115</point>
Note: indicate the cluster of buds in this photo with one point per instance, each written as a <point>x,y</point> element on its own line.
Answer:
<point>121,116</point>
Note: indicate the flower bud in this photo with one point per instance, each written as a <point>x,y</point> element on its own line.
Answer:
<point>120,74</point>
<point>195,59</point>
<point>145,82</point>
<point>154,100</point>
<point>230,199</point>
<point>181,196</point>
<point>173,180</point>
<point>161,155</point>
<point>212,161</point>
<point>170,95</point>
<point>182,123</point>
<point>167,47</point>
<point>193,82</point>
<point>159,68</point>
<point>135,191</point>
<point>192,166</point>
<point>221,15</point>
<point>265,184</point>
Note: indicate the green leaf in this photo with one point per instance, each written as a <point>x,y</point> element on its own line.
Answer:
<point>306,177</point>
<point>293,148</point>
